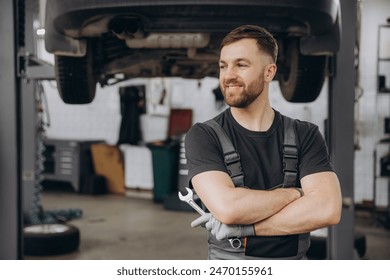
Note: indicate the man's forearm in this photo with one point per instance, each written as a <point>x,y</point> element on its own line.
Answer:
<point>320,207</point>
<point>251,206</point>
<point>303,215</point>
<point>231,205</point>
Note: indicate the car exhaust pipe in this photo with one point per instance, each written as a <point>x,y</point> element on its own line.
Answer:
<point>126,28</point>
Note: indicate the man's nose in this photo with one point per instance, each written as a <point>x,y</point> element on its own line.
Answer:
<point>230,73</point>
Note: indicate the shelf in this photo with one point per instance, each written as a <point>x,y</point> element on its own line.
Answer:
<point>382,177</point>
<point>384,141</point>
<point>383,89</point>
<point>383,58</point>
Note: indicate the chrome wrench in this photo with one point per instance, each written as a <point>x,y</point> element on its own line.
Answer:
<point>234,242</point>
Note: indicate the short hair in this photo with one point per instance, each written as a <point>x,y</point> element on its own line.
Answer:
<point>265,41</point>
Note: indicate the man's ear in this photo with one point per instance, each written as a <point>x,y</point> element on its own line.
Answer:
<point>270,71</point>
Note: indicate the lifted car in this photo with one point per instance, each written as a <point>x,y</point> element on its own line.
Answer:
<point>108,41</point>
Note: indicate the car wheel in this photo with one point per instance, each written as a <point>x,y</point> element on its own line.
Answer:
<point>302,76</point>
<point>50,239</point>
<point>75,77</point>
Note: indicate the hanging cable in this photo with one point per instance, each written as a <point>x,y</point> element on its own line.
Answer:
<point>358,87</point>
<point>36,214</point>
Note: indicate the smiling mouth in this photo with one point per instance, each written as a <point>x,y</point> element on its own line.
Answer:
<point>233,86</point>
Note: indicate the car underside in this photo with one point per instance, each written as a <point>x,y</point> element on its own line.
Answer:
<point>111,41</point>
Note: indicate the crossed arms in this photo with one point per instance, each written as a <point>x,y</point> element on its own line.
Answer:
<point>280,211</point>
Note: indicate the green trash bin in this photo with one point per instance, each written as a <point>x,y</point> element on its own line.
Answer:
<point>165,158</point>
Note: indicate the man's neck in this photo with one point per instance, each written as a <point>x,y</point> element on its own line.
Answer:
<point>258,117</point>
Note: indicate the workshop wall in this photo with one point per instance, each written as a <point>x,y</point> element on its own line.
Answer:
<point>101,118</point>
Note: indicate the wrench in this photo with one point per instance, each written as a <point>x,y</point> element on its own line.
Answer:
<point>234,242</point>
<point>188,198</point>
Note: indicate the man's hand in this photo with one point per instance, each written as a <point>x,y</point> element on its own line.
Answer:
<point>222,231</point>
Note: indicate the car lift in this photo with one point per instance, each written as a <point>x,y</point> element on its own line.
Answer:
<point>18,72</point>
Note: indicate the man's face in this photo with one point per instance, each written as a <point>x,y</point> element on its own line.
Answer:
<point>241,76</point>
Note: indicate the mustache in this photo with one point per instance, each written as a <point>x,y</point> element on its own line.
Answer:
<point>232,82</point>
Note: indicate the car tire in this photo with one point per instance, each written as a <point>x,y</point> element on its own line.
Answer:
<point>302,76</point>
<point>76,80</point>
<point>50,239</point>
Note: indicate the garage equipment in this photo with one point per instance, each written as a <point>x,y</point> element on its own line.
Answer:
<point>68,161</point>
<point>132,100</point>
<point>165,160</point>
<point>234,242</point>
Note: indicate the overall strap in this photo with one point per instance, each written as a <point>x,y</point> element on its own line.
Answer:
<point>231,156</point>
<point>290,154</point>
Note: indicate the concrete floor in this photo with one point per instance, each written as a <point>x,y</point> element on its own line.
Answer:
<point>115,227</point>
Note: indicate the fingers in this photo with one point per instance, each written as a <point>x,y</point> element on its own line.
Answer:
<point>224,231</point>
<point>214,232</point>
<point>219,235</point>
<point>201,220</point>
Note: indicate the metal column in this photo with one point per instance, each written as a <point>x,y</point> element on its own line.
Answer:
<point>341,133</point>
<point>28,108</point>
<point>10,185</point>
<point>17,121</point>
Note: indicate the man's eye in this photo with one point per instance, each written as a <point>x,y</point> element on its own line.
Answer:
<point>222,66</point>
<point>242,65</point>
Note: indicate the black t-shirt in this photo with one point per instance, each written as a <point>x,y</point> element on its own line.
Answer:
<point>260,152</point>
<point>262,163</point>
